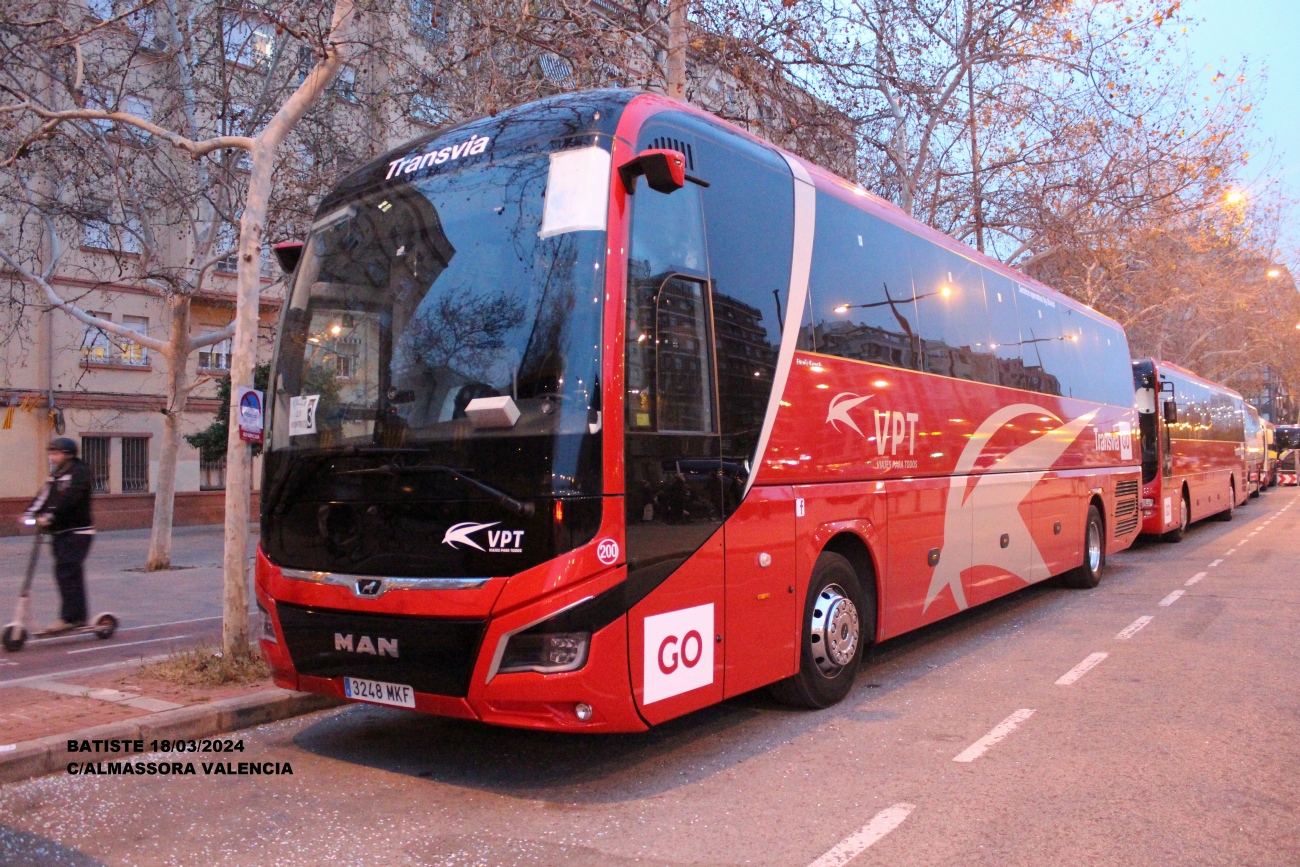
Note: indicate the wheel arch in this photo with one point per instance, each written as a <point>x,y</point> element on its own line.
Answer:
<point>857,551</point>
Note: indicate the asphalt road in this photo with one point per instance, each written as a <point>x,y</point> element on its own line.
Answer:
<point>998,737</point>
<point>158,611</point>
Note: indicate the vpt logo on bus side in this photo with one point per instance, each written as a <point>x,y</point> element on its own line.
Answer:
<point>678,652</point>
<point>894,429</point>
<point>499,541</point>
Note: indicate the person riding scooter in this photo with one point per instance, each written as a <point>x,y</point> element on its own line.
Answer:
<point>62,510</point>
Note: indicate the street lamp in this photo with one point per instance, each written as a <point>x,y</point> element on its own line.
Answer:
<point>1235,197</point>
<point>845,308</point>
<point>1273,273</point>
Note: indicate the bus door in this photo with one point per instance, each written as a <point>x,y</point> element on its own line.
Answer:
<point>672,458</point>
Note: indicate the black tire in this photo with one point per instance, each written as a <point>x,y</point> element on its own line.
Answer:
<point>1088,575</point>
<point>835,597</point>
<point>1226,514</point>
<point>1186,513</point>
<point>14,637</point>
<point>105,626</point>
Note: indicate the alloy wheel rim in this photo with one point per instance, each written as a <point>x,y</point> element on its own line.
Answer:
<point>835,630</point>
<point>1094,548</point>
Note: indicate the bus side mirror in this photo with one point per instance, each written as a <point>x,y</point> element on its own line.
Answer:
<point>287,253</point>
<point>664,170</point>
<point>1171,412</point>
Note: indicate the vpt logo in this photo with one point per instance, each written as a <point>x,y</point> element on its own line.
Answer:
<point>499,541</point>
<point>678,652</point>
<point>370,586</point>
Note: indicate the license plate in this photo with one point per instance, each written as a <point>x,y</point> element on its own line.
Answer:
<point>396,694</point>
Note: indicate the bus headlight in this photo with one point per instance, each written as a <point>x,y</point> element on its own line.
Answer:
<point>547,652</point>
<point>268,627</point>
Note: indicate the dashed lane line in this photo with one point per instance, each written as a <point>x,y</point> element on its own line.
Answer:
<point>1213,563</point>
<point>998,732</point>
<point>130,643</point>
<point>1172,597</point>
<point>1093,660</point>
<point>1134,627</point>
<point>855,844</point>
<point>1195,579</point>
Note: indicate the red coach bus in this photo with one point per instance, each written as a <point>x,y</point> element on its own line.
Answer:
<point>600,411</point>
<point>1194,451</point>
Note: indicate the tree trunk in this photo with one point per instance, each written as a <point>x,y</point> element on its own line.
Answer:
<point>677,49</point>
<point>239,455</point>
<point>164,498</point>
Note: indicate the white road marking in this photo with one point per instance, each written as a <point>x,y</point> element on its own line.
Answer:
<point>1093,660</point>
<point>172,623</point>
<point>1133,628</point>
<point>1172,597</point>
<point>1194,579</point>
<point>130,643</point>
<point>999,731</point>
<point>1229,552</point>
<point>855,844</point>
<point>8,748</point>
<point>1213,563</point>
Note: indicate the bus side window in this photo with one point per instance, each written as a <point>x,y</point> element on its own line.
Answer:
<point>1004,329</point>
<point>1040,330</point>
<point>860,288</point>
<point>949,291</point>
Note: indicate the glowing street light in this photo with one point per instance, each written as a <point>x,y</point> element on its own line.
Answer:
<point>1274,273</point>
<point>1235,197</point>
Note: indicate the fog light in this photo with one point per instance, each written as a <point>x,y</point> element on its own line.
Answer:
<point>1148,503</point>
<point>583,710</point>
<point>546,652</point>
<point>268,627</point>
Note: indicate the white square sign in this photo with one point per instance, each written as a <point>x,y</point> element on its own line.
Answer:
<point>678,652</point>
<point>302,414</point>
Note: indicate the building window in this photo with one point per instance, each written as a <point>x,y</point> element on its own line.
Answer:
<point>216,356</point>
<point>130,351</point>
<point>95,343</point>
<point>249,43</point>
<point>135,465</point>
<point>212,473</point>
<point>100,234</point>
<point>557,70</point>
<point>429,110</point>
<point>345,366</point>
<point>426,20</point>
<point>345,84</point>
<point>94,452</point>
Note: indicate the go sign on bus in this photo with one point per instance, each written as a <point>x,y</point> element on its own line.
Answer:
<point>678,652</point>
<point>250,414</point>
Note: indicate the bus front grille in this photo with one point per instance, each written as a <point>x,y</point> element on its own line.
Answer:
<point>432,655</point>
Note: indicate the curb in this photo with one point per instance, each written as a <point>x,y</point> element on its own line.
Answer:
<point>49,754</point>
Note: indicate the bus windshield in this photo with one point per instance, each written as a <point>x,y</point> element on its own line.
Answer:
<point>410,302</point>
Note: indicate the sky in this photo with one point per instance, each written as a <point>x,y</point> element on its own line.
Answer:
<point>1267,34</point>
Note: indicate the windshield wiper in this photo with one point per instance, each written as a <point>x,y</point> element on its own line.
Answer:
<point>498,496</point>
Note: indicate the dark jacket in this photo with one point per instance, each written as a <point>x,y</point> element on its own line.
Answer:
<point>66,498</point>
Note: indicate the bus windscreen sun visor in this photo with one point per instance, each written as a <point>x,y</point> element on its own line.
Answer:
<point>577,192</point>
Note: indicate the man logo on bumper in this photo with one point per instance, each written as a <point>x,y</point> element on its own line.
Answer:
<point>387,646</point>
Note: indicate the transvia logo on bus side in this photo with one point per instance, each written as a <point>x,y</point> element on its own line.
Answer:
<point>995,499</point>
<point>1120,440</point>
<point>893,428</point>
<point>406,165</point>
<point>499,541</point>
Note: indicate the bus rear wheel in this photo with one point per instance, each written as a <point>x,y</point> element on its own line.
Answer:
<point>1088,575</point>
<point>1226,514</point>
<point>1184,521</point>
<point>839,621</point>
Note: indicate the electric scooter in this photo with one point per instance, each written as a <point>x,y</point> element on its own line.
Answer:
<point>16,634</point>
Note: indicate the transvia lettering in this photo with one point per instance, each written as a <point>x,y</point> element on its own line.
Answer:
<point>407,165</point>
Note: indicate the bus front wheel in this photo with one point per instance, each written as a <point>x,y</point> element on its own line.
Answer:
<point>1088,575</point>
<point>1184,520</point>
<point>839,621</point>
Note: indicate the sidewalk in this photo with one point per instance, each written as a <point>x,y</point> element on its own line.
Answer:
<point>41,715</point>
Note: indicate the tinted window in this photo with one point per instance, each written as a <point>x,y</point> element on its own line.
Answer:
<point>1104,349</point>
<point>1004,330</point>
<point>749,223</point>
<point>860,288</point>
<point>949,292</point>
<point>1040,332</point>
